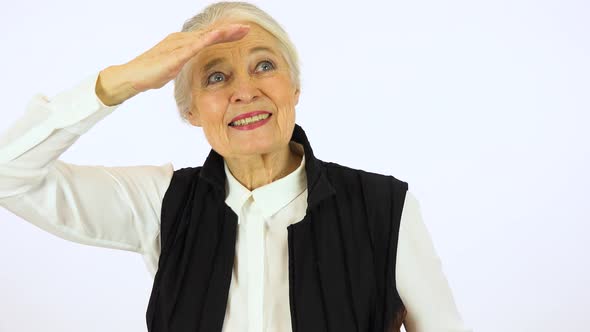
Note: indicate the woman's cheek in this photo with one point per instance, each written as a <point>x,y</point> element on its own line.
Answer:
<point>213,109</point>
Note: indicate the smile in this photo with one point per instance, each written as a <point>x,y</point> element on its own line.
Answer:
<point>251,122</point>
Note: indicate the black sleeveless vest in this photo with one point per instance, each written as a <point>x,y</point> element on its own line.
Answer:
<point>342,254</point>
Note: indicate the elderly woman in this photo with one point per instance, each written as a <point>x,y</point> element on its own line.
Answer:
<point>264,236</point>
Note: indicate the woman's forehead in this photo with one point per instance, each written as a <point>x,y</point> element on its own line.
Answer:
<point>257,40</point>
<point>256,37</point>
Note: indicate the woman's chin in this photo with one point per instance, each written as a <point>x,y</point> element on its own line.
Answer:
<point>256,150</point>
<point>264,139</point>
<point>258,146</point>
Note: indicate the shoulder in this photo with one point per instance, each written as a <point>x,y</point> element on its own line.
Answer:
<point>345,175</point>
<point>180,183</point>
<point>185,171</point>
<point>186,174</point>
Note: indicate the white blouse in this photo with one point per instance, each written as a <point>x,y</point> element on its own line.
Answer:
<point>119,207</point>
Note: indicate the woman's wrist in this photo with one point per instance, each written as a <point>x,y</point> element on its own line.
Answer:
<point>112,88</point>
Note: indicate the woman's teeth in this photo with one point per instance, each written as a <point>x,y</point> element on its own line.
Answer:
<point>249,120</point>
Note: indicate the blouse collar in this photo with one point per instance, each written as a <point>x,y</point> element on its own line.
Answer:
<point>269,198</point>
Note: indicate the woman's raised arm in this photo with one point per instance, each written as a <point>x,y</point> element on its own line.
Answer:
<point>113,207</point>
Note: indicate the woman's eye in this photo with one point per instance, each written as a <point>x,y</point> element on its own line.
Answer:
<point>265,64</point>
<point>215,77</point>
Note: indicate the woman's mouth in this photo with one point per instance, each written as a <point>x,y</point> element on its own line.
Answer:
<point>251,122</point>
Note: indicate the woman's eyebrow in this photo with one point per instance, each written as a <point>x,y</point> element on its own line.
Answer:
<point>255,49</point>
<point>260,49</point>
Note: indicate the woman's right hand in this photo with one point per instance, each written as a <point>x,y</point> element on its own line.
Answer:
<point>160,64</point>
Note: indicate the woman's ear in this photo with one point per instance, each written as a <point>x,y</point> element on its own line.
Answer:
<point>297,92</point>
<point>194,118</point>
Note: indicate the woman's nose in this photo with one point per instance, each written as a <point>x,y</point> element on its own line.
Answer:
<point>245,91</point>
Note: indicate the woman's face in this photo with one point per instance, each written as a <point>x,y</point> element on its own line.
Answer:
<point>246,75</point>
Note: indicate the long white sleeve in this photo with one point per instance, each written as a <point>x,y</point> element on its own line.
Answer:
<point>112,207</point>
<point>421,282</point>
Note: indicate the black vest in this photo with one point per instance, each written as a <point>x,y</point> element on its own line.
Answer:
<point>342,254</point>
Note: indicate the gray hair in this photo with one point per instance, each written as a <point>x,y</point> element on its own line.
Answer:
<point>236,11</point>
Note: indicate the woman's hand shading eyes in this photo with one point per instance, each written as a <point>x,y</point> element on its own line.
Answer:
<point>161,63</point>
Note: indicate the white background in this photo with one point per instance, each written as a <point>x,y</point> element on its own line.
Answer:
<point>481,106</point>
